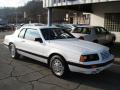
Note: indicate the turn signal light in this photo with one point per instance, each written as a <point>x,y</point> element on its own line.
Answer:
<point>83,58</point>
<point>88,58</point>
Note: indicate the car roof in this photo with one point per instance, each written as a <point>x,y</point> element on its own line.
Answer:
<point>88,26</point>
<point>40,27</point>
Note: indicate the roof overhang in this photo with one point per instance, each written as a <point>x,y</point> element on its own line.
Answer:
<point>79,7</point>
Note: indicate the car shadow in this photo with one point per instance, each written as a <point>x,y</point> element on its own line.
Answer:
<point>26,60</point>
<point>105,80</point>
<point>115,49</point>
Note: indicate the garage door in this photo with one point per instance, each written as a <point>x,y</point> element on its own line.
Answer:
<point>112,21</point>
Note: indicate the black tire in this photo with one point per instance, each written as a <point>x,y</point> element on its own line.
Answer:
<point>113,40</point>
<point>112,43</point>
<point>95,41</point>
<point>58,66</point>
<point>13,51</point>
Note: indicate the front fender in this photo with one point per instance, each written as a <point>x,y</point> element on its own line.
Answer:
<point>68,55</point>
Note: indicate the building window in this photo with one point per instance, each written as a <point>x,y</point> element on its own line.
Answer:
<point>58,1</point>
<point>112,22</point>
<point>54,1</point>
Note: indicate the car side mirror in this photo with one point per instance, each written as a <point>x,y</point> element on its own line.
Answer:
<point>39,40</point>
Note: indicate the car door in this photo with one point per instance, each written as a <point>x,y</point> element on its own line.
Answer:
<point>35,48</point>
<point>100,35</point>
<point>30,47</point>
<point>19,42</point>
<point>108,37</point>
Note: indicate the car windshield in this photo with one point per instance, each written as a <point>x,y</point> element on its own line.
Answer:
<point>83,30</point>
<point>55,33</point>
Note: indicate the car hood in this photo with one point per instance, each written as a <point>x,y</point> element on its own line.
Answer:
<point>77,45</point>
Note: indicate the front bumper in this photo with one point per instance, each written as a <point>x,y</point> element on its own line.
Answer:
<point>89,69</point>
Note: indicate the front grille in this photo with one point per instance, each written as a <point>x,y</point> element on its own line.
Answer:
<point>105,55</point>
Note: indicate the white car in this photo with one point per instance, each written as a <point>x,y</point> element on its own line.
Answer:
<point>95,34</point>
<point>59,49</point>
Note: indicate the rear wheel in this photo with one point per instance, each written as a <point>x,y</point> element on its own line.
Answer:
<point>112,42</point>
<point>13,51</point>
<point>58,66</point>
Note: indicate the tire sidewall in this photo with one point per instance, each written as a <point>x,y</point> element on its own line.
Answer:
<point>63,64</point>
<point>16,54</point>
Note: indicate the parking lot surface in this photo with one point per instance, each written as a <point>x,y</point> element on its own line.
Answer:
<point>28,74</point>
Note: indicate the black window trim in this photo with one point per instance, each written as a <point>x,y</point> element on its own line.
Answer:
<point>55,28</point>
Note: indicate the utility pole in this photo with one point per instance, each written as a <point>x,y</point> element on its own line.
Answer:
<point>16,18</point>
<point>49,16</point>
<point>39,18</point>
<point>25,16</point>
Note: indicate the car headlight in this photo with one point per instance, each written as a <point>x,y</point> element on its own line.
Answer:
<point>90,57</point>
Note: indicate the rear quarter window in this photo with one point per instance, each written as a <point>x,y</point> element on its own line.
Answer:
<point>22,33</point>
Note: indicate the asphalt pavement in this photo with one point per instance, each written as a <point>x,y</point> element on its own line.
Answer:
<point>28,74</point>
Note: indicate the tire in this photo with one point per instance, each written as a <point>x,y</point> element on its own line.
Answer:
<point>13,51</point>
<point>112,43</point>
<point>95,41</point>
<point>58,66</point>
<point>113,40</point>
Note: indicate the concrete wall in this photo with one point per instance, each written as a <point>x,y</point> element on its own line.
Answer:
<point>117,36</point>
<point>97,20</point>
<point>97,17</point>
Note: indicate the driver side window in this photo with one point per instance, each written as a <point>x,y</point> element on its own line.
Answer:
<point>103,30</point>
<point>97,30</point>
<point>31,34</point>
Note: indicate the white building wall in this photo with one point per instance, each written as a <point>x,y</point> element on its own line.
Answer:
<point>117,36</point>
<point>97,18</point>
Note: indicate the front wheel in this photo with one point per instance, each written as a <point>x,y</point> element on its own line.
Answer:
<point>58,66</point>
<point>13,51</point>
<point>95,41</point>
